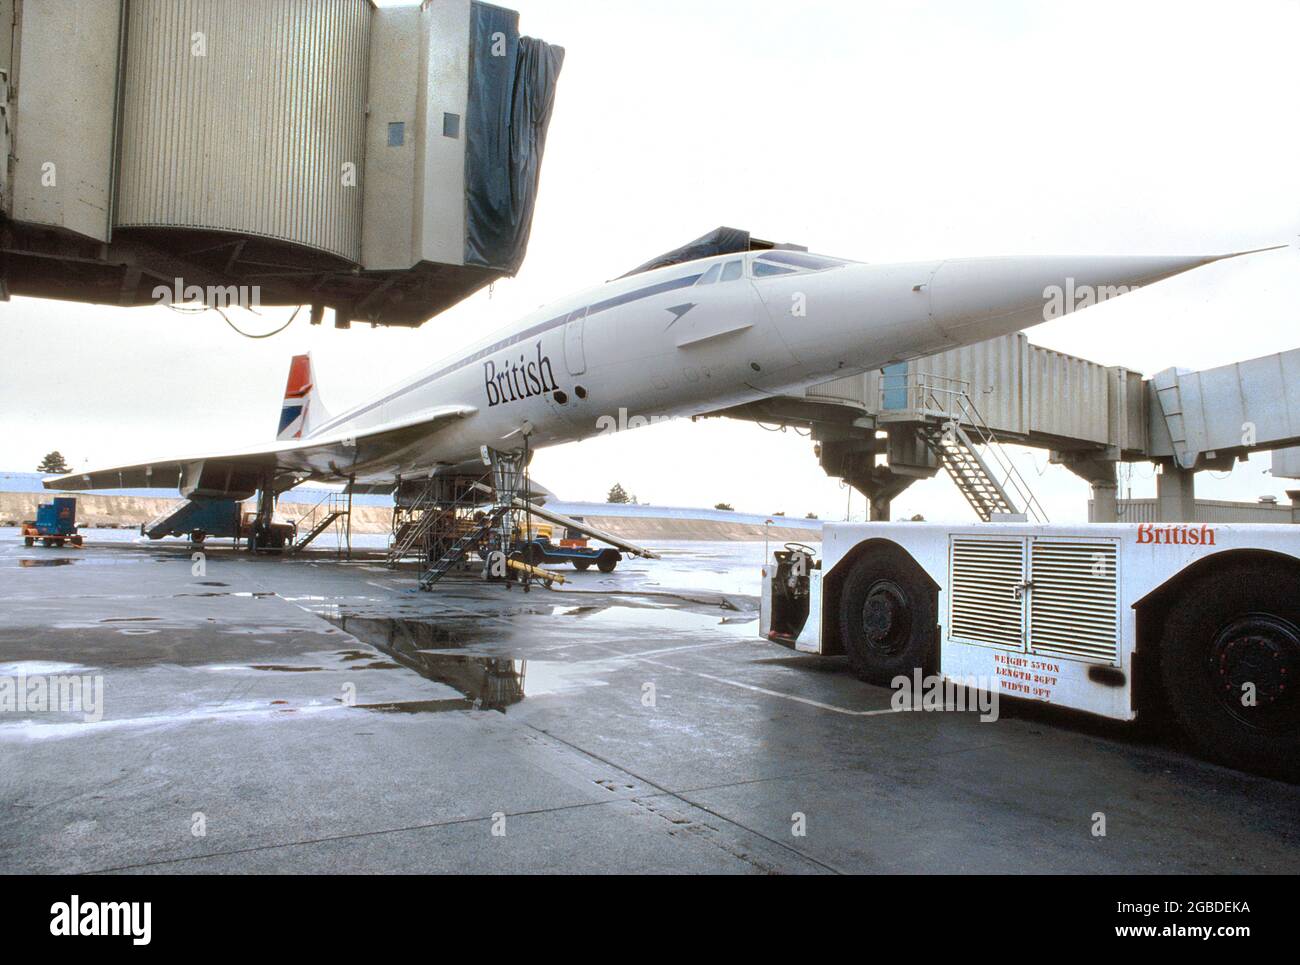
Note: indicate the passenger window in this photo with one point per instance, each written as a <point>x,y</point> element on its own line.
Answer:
<point>710,276</point>
<point>731,270</point>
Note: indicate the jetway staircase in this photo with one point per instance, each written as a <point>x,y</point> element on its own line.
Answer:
<point>955,431</point>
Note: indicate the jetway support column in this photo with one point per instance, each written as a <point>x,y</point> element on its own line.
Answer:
<point>1175,494</point>
<point>852,458</point>
<point>1099,471</point>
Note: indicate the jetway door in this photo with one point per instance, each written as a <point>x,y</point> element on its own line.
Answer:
<point>575,356</point>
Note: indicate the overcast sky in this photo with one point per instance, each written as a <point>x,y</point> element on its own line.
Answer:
<point>878,131</point>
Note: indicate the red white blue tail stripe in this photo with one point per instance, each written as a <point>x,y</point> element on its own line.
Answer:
<point>297,398</point>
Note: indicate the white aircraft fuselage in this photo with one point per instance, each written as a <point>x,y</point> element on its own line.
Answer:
<point>704,335</point>
<point>681,340</point>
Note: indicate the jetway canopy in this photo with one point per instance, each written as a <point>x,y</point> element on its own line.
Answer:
<point>380,161</point>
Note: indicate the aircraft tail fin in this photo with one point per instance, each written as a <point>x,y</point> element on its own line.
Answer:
<point>301,408</point>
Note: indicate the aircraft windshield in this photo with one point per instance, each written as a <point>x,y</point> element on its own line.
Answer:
<point>782,262</point>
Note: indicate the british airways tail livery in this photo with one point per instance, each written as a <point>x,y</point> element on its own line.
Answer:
<point>678,340</point>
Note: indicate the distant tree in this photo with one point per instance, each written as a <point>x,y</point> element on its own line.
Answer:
<point>778,514</point>
<point>53,463</point>
<point>811,516</point>
<point>617,494</point>
<point>726,506</point>
<point>918,518</point>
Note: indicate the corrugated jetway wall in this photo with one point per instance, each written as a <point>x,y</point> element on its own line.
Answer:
<point>380,161</point>
<point>1090,416</point>
<point>1024,392</point>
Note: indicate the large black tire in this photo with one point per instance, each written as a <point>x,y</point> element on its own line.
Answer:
<point>1236,625</point>
<point>887,617</point>
<point>581,565</point>
<point>607,560</point>
<point>28,541</point>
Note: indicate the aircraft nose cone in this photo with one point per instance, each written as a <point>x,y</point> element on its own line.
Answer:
<point>972,299</point>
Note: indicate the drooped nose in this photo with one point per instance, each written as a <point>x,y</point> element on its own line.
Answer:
<point>973,299</point>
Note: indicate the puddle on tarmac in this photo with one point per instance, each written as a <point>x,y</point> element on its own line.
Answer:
<point>59,561</point>
<point>402,634</point>
<point>488,683</point>
<point>258,595</point>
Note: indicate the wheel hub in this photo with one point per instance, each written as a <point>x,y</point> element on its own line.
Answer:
<point>886,620</point>
<point>1254,661</point>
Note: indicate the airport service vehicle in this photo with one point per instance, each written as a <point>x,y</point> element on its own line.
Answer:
<point>55,523</point>
<point>572,548</point>
<point>200,518</point>
<point>683,335</point>
<point>1115,620</point>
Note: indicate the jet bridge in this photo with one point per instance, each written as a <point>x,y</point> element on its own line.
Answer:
<point>881,431</point>
<point>379,161</point>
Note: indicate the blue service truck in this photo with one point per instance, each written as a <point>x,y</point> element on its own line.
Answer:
<point>572,548</point>
<point>55,523</point>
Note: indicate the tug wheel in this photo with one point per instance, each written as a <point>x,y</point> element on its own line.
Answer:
<point>1230,665</point>
<point>582,565</point>
<point>607,560</point>
<point>887,617</point>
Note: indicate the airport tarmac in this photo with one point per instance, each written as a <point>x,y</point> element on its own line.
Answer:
<point>312,715</point>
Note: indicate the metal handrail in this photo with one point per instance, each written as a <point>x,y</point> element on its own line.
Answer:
<point>950,399</point>
<point>428,516</point>
<point>332,505</point>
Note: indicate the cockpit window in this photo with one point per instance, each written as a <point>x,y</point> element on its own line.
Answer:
<point>780,261</point>
<point>732,269</point>
<point>764,268</point>
<point>710,276</point>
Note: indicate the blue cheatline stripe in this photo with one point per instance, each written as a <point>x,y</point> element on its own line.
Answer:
<point>595,308</point>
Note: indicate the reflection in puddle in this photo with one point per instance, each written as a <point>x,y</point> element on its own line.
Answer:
<point>257,595</point>
<point>488,683</point>
<point>58,561</point>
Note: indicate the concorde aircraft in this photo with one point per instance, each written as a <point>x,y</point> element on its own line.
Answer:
<point>681,338</point>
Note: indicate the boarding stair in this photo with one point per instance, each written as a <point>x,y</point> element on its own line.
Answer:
<point>461,545</point>
<point>420,516</point>
<point>963,443</point>
<point>330,510</point>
